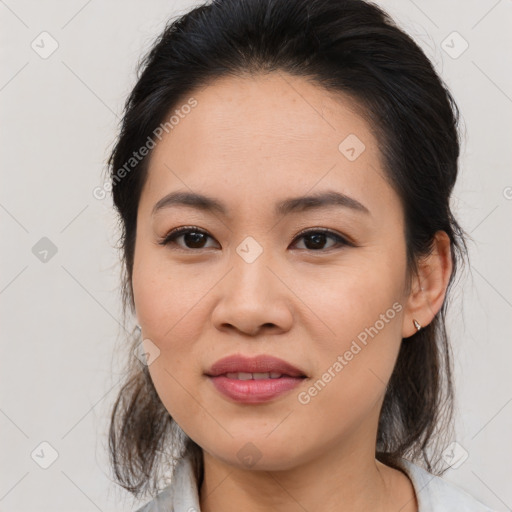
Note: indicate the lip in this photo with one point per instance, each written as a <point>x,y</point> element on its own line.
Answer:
<point>259,364</point>
<point>254,391</point>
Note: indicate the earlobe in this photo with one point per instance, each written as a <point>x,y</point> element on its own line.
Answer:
<point>429,287</point>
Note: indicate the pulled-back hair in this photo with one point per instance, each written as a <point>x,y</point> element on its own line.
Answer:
<point>350,47</point>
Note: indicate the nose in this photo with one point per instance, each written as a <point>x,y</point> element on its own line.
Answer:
<point>253,299</point>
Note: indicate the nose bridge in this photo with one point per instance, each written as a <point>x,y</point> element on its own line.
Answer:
<point>251,295</point>
<point>251,276</point>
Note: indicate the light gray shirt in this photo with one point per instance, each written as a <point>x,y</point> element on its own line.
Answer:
<point>432,492</point>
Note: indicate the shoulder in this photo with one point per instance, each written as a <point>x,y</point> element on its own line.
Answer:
<point>434,494</point>
<point>181,495</point>
<point>160,503</point>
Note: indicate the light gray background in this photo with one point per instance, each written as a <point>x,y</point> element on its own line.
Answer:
<point>60,318</point>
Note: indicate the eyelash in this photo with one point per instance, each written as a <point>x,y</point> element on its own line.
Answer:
<point>177,232</point>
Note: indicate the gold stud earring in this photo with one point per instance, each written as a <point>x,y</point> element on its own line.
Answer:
<point>416,324</point>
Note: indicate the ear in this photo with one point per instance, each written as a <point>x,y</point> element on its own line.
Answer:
<point>428,288</point>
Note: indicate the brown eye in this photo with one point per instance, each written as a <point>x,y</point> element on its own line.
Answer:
<point>193,238</point>
<point>315,240</point>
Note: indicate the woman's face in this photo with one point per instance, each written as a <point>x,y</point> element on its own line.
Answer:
<point>251,285</point>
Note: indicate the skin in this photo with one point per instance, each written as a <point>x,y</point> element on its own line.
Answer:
<point>303,305</point>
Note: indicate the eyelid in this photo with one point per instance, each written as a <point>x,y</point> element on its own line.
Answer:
<point>176,232</point>
<point>334,234</point>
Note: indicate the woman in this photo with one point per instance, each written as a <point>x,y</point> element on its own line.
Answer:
<point>283,177</point>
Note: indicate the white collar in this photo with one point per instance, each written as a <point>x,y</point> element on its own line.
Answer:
<point>432,492</point>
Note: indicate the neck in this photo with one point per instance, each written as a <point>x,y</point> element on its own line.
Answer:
<point>333,482</point>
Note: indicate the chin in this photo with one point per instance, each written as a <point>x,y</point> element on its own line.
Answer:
<point>253,453</point>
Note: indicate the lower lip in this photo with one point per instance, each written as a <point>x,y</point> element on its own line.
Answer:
<point>254,391</point>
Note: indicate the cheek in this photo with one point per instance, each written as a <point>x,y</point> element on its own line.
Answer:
<point>360,308</point>
<point>170,307</point>
<point>166,295</point>
<point>165,309</point>
<point>171,314</point>
<point>175,377</point>
<point>363,293</point>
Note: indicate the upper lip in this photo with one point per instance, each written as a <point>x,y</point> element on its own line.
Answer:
<point>259,364</point>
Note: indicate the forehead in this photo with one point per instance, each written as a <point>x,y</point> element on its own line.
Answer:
<point>260,113</point>
<point>257,137</point>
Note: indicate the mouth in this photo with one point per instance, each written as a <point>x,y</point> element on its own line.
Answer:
<point>257,368</point>
<point>256,375</point>
<point>254,380</point>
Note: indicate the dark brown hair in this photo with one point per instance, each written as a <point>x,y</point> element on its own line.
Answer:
<point>344,46</point>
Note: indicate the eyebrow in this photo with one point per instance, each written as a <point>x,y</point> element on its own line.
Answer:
<point>325,199</point>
